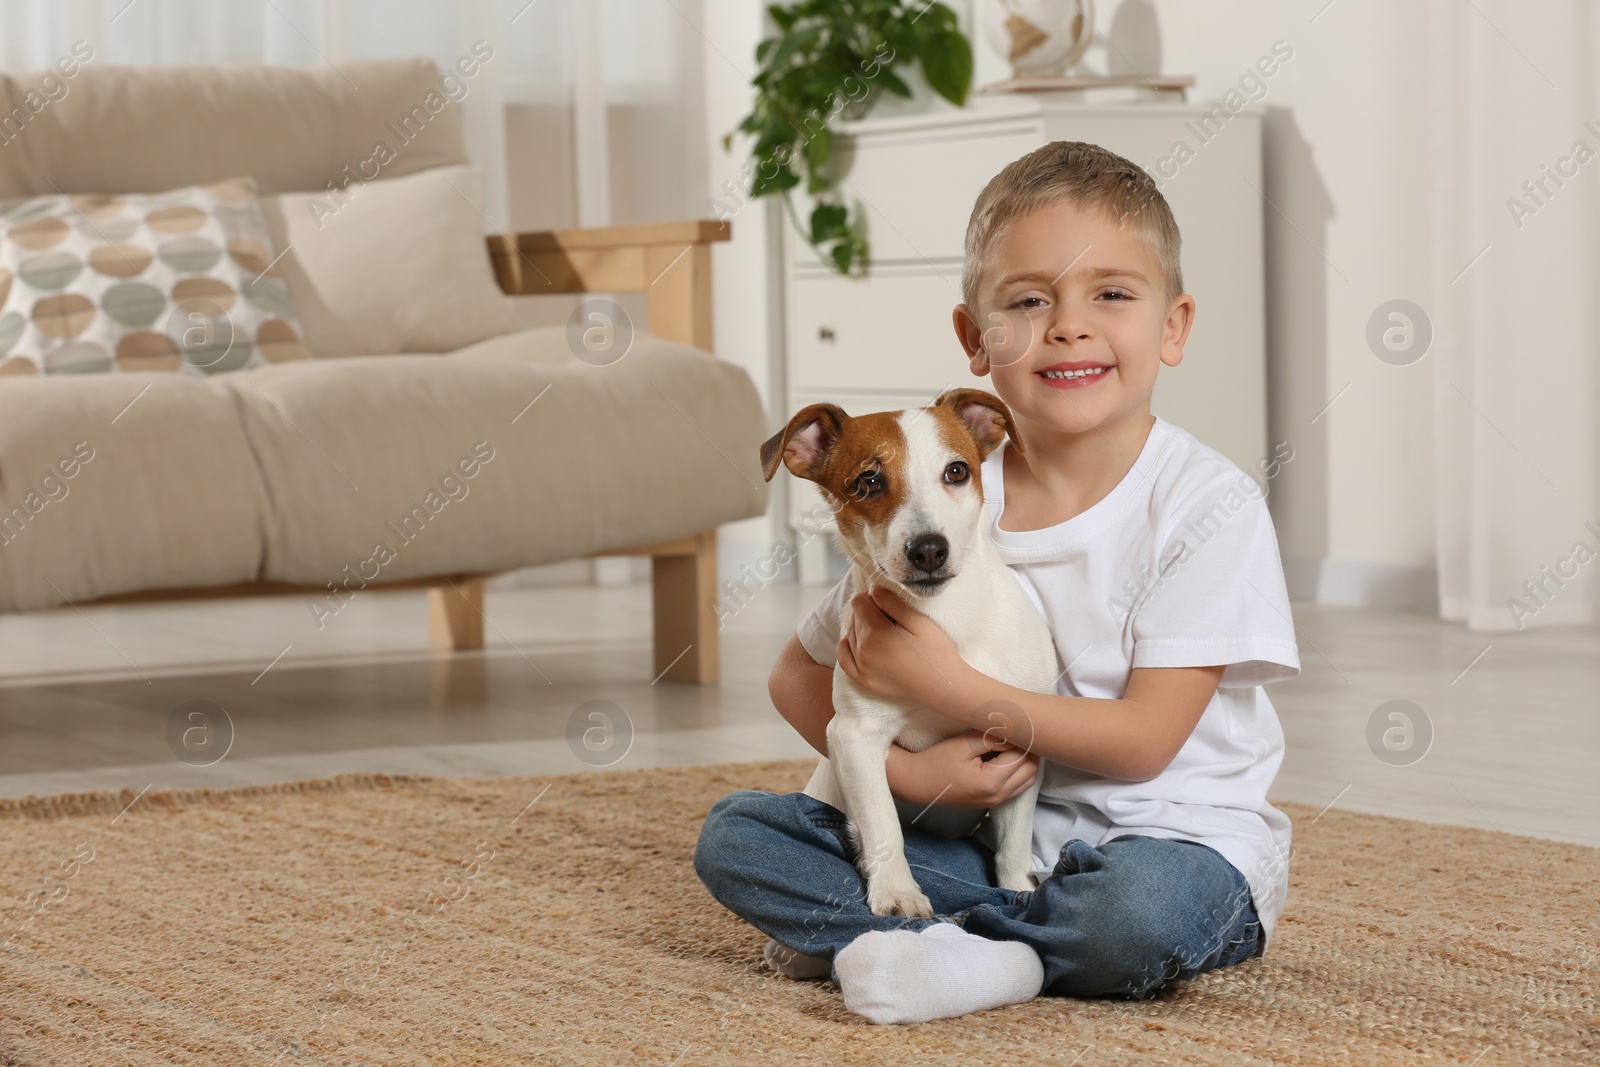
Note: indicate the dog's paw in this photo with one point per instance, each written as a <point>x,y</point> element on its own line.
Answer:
<point>908,901</point>
<point>1018,881</point>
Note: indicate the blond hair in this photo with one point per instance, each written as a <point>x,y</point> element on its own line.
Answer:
<point>1088,176</point>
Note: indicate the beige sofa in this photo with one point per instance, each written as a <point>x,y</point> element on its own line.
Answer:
<point>280,480</point>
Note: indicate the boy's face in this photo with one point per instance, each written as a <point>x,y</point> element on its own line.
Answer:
<point>1068,290</point>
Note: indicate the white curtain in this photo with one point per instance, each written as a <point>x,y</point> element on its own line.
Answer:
<point>1515,128</point>
<point>590,113</point>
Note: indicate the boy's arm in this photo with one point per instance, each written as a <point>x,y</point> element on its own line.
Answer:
<point>953,772</point>
<point>1133,738</point>
<point>802,691</point>
<point>893,649</point>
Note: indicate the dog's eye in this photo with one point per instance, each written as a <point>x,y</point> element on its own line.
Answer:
<point>956,473</point>
<point>867,483</point>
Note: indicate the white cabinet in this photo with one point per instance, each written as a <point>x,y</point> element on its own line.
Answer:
<point>885,341</point>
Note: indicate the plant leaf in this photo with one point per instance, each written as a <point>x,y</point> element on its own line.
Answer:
<point>818,147</point>
<point>783,179</point>
<point>947,64</point>
<point>799,41</point>
<point>891,81</point>
<point>827,222</point>
<point>781,16</point>
<point>841,254</point>
<point>939,16</point>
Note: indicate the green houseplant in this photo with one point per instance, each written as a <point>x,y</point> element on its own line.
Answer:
<point>828,59</point>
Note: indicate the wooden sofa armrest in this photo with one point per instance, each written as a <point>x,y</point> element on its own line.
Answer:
<point>670,262</point>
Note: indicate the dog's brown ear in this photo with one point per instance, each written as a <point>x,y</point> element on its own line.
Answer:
<point>984,414</point>
<point>803,444</point>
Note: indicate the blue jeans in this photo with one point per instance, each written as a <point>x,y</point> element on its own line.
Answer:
<point>1117,920</point>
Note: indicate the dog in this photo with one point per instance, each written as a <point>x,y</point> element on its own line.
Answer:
<point>907,500</point>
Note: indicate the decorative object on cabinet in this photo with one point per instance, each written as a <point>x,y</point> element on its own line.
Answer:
<point>1039,38</point>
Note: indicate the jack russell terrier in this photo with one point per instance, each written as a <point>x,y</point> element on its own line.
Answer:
<point>908,503</point>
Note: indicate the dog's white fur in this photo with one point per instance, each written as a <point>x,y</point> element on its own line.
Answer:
<point>994,626</point>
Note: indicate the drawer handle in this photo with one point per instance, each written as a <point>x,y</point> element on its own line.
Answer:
<point>825,333</point>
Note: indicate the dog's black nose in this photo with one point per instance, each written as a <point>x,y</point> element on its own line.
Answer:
<point>928,552</point>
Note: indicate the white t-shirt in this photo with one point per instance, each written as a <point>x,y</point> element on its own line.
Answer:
<point>1176,567</point>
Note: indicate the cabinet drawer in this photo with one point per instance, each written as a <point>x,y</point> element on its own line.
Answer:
<point>916,190</point>
<point>889,332</point>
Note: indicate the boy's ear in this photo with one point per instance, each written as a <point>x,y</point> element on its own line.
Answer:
<point>984,414</point>
<point>803,445</point>
<point>1180,319</point>
<point>970,334</point>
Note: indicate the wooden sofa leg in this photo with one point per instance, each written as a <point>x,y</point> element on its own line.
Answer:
<point>684,593</point>
<point>455,615</point>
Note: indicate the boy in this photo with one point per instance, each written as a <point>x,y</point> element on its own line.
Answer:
<point>1154,561</point>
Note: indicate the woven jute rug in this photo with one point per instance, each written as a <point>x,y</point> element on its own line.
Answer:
<point>375,920</point>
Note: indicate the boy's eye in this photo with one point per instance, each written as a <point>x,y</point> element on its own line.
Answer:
<point>956,473</point>
<point>1028,303</point>
<point>1116,294</point>
<point>867,484</point>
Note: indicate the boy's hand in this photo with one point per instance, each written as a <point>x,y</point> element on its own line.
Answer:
<point>892,649</point>
<point>954,772</point>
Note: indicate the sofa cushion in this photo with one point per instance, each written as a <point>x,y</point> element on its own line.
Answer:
<point>504,455</point>
<point>182,280</point>
<point>125,482</point>
<point>121,129</point>
<point>391,266</point>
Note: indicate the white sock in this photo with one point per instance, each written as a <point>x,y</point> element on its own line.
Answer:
<point>897,976</point>
<point>791,964</point>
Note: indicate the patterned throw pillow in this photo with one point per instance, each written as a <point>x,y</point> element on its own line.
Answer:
<point>180,281</point>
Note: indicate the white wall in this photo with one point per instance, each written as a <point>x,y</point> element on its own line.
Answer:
<point>1348,178</point>
<point>746,301</point>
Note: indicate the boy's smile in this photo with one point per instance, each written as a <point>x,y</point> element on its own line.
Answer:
<point>1073,322</point>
